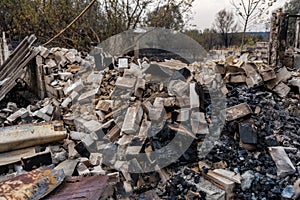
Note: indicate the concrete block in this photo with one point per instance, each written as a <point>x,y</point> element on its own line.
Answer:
<point>123,63</point>
<point>95,78</point>
<point>42,115</point>
<point>20,113</point>
<point>132,119</point>
<point>125,82</point>
<point>71,57</point>
<point>88,96</point>
<point>77,87</point>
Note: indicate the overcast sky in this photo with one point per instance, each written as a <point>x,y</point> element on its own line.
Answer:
<point>204,12</point>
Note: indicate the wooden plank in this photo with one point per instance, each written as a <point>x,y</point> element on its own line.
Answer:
<point>238,111</point>
<point>229,175</point>
<point>81,188</point>
<point>15,156</point>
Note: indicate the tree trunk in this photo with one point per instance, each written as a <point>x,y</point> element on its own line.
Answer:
<point>226,40</point>
<point>244,33</point>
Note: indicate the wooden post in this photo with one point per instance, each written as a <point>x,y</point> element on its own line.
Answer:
<point>297,38</point>
<point>274,43</point>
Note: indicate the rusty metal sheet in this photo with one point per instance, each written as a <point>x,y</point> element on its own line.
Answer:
<point>80,188</point>
<point>23,136</point>
<point>32,185</point>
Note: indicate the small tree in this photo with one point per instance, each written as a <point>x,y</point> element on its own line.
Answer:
<point>171,14</point>
<point>249,11</point>
<point>225,25</point>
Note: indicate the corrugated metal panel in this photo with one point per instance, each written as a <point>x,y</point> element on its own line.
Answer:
<point>33,185</point>
<point>90,188</point>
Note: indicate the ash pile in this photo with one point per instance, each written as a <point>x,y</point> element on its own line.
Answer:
<point>95,132</point>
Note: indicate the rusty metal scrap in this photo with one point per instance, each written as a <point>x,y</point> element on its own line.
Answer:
<point>18,137</point>
<point>81,188</point>
<point>32,185</point>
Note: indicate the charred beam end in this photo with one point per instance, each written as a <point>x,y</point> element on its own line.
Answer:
<point>23,136</point>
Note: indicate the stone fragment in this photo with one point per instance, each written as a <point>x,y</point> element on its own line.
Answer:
<point>42,115</point>
<point>177,88</point>
<point>66,102</point>
<point>47,109</point>
<point>92,126</point>
<point>288,192</point>
<point>295,82</point>
<point>297,189</point>
<point>71,57</point>
<point>50,63</point>
<point>125,82</point>
<point>282,90</point>
<point>88,96</point>
<point>95,77</point>
<point>282,75</point>
<point>253,77</point>
<point>77,87</point>
<point>104,105</point>
<point>60,156</point>
<point>237,78</point>
<point>156,111</point>
<point>283,163</point>
<point>199,123</point>
<point>211,191</point>
<point>183,115</point>
<point>77,135</point>
<point>90,139</point>
<point>44,52</point>
<point>97,171</point>
<point>247,179</point>
<point>194,98</point>
<point>72,151</point>
<point>95,159</point>
<point>237,178</point>
<point>140,87</point>
<point>82,169</point>
<point>68,166</point>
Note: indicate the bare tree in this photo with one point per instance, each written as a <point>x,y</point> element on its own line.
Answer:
<point>249,11</point>
<point>225,25</point>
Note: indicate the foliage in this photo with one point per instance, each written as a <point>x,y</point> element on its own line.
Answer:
<point>46,18</point>
<point>169,15</point>
<point>210,38</point>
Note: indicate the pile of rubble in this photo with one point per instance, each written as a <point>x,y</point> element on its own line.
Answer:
<point>84,139</point>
